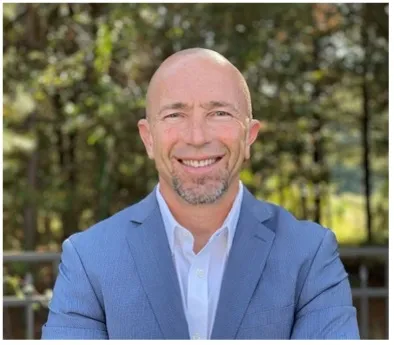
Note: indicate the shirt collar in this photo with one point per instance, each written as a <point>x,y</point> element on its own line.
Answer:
<point>230,222</point>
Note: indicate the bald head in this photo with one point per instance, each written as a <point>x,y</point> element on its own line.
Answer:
<point>190,64</point>
<point>199,128</point>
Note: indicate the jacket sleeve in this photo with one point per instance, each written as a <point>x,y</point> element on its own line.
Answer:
<point>325,309</point>
<point>74,311</point>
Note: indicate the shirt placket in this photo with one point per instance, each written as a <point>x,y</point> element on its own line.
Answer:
<point>197,296</point>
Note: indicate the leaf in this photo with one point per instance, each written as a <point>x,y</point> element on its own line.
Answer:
<point>317,75</point>
<point>97,135</point>
<point>247,177</point>
<point>17,142</point>
<point>103,49</point>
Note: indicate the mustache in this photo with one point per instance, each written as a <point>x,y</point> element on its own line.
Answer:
<point>202,152</point>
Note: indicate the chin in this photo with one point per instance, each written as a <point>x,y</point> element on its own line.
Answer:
<point>200,192</point>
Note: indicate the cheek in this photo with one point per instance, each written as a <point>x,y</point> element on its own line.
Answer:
<point>233,137</point>
<point>166,139</point>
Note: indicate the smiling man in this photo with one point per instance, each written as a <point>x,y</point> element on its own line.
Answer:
<point>200,257</point>
<point>199,129</point>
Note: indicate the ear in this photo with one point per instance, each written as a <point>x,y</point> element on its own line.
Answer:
<point>146,136</point>
<point>253,131</point>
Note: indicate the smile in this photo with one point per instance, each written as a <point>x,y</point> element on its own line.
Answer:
<point>199,163</point>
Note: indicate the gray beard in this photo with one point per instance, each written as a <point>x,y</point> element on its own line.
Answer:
<point>193,197</point>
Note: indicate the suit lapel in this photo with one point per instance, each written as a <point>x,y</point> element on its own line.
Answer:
<point>151,253</point>
<point>249,252</point>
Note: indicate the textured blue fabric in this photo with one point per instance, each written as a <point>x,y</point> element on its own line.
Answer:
<point>283,280</point>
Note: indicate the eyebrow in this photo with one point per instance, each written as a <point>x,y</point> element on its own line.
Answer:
<point>219,104</point>
<point>174,106</point>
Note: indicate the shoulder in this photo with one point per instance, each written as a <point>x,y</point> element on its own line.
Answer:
<point>283,224</point>
<point>299,244</point>
<point>290,231</point>
<point>114,227</point>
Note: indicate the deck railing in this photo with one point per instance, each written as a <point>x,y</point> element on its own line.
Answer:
<point>363,292</point>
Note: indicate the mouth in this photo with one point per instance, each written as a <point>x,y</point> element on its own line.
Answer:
<point>200,163</point>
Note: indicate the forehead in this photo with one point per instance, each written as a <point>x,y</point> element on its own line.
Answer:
<point>196,83</point>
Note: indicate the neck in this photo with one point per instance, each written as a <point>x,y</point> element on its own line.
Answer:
<point>199,219</point>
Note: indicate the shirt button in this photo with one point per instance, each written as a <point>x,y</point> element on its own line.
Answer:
<point>200,273</point>
<point>196,336</point>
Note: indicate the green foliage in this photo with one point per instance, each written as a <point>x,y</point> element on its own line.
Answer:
<point>103,49</point>
<point>75,77</point>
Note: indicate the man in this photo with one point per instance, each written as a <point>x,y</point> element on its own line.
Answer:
<point>200,257</point>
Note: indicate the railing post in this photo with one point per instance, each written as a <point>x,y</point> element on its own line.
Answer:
<point>55,266</point>
<point>29,311</point>
<point>386,284</point>
<point>363,273</point>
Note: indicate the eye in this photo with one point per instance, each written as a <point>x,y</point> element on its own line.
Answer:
<point>172,116</point>
<point>222,113</point>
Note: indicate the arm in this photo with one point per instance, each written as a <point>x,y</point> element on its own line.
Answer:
<point>325,309</point>
<point>74,311</point>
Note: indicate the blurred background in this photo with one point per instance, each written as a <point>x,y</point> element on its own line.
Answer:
<point>75,77</point>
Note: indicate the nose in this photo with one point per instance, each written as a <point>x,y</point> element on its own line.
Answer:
<point>197,133</point>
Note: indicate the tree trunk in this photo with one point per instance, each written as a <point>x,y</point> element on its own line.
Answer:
<point>328,205</point>
<point>298,153</point>
<point>30,211</point>
<point>281,186</point>
<point>304,202</point>
<point>365,118</point>
<point>66,146</point>
<point>32,39</point>
<point>317,137</point>
<point>70,218</point>
<point>106,185</point>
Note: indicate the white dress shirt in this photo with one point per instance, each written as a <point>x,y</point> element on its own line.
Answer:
<point>200,275</point>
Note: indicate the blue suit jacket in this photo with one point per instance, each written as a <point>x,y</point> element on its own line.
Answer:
<point>284,279</point>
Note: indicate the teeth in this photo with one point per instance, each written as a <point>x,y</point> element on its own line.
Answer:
<point>197,164</point>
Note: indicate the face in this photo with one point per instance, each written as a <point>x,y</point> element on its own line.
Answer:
<point>198,129</point>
